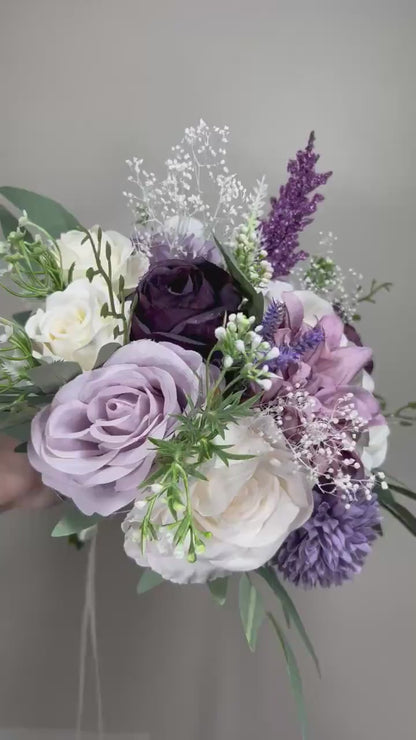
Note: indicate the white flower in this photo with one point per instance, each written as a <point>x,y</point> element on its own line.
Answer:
<point>71,326</point>
<point>125,260</point>
<point>249,507</point>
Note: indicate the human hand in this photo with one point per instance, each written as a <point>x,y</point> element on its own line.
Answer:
<point>20,485</point>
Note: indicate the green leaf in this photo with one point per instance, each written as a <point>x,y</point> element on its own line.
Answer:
<point>251,610</point>
<point>289,609</point>
<point>21,317</point>
<point>255,304</point>
<point>22,447</point>
<point>8,222</point>
<point>43,211</point>
<point>403,515</point>
<point>52,376</point>
<point>17,430</point>
<point>218,590</point>
<point>403,491</point>
<point>149,579</point>
<point>74,522</point>
<point>293,672</point>
<point>105,353</point>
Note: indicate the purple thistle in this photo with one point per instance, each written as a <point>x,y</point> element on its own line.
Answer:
<point>272,320</point>
<point>293,210</point>
<point>332,545</point>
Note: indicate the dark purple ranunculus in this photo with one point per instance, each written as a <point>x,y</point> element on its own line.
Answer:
<point>183,301</point>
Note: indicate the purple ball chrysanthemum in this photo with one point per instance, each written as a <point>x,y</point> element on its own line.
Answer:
<point>332,545</point>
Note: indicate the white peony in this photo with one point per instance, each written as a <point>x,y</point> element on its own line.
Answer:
<point>71,327</point>
<point>125,260</point>
<point>249,507</point>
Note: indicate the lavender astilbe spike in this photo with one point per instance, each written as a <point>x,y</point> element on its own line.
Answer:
<point>293,210</point>
<point>293,352</point>
<point>272,319</point>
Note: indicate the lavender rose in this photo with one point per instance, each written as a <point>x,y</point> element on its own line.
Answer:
<point>91,444</point>
<point>184,301</point>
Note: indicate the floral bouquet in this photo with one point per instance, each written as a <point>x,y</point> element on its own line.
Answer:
<point>202,380</point>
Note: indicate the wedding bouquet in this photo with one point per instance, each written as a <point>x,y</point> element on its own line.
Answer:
<point>202,380</point>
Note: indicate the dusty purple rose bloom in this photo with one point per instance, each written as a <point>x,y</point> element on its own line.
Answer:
<point>332,546</point>
<point>91,443</point>
<point>183,301</point>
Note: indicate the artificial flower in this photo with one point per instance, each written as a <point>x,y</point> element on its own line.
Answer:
<point>126,261</point>
<point>91,444</point>
<point>71,325</point>
<point>184,301</point>
<point>249,508</point>
<point>331,547</point>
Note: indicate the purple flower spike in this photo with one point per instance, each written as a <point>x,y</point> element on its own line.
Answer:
<point>331,547</point>
<point>293,210</point>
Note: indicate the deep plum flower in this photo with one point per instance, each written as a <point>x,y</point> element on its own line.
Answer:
<point>91,444</point>
<point>184,301</point>
<point>332,545</point>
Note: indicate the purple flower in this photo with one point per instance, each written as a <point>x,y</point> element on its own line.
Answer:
<point>183,301</point>
<point>293,210</point>
<point>91,444</point>
<point>332,545</point>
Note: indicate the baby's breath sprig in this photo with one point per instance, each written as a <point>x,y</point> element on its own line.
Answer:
<point>181,459</point>
<point>116,305</point>
<point>33,264</point>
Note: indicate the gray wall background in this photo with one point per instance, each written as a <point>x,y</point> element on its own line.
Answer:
<point>87,83</point>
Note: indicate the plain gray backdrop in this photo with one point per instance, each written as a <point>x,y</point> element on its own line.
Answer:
<point>88,83</point>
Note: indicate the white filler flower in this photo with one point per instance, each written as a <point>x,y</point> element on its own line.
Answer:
<point>71,326</point>
<point>249,507</point>
<point>125,259</point>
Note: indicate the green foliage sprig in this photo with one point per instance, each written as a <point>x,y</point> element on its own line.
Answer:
<point>34,263</point>
<point>110,308</point>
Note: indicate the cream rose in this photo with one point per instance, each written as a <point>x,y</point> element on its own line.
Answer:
<point>249,507</point>
<point>125,260</point>
<point>71,327</point>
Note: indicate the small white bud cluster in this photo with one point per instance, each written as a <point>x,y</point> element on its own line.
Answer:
<point>244,347</point>
<point>247,244</point>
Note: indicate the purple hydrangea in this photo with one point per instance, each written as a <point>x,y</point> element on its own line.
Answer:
<point>332,545</point>
<point>293,210</point>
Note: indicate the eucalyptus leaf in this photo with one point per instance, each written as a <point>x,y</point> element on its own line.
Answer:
<point>49,377</point>
<point>255,304</point>
<point>8,222</point>
<point>403,491</point>
<point>21,317</point>
<point>251,610</point>
<point>105,353</point>
<point>289,609</point>
<point>293,672</point>
<point>403,515</point>
<point>218,590</point>
<point>45,212</point>
<point>74,522</point>
<point>148,580</point>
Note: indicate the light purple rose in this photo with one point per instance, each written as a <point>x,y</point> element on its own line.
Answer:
<point>91,444</point>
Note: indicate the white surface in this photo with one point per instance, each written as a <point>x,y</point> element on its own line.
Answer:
<point>88,83</point>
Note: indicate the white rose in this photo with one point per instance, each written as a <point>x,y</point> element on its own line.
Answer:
<point>249,507</point>
<point>125,260</point>
<point>71,327</point>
